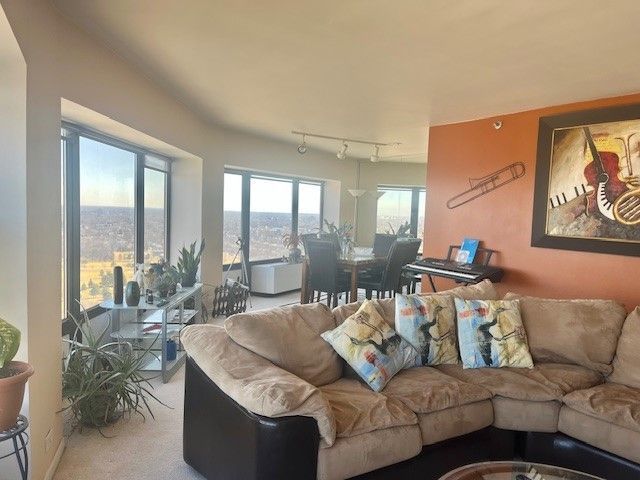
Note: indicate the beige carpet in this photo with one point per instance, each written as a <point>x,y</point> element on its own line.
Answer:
<point>136,448</point>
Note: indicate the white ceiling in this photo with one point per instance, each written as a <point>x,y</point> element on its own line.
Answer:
<point>377,70</point>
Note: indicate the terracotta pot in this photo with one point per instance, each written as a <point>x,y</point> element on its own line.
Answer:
<point>12,393</point>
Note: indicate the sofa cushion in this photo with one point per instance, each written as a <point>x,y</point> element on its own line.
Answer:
<point>358,410</point>
<point>525,415</point>
<point>583,332</point>
<point>506,382</point>
<point>611,402</point>
<point>455,421</point>
<point>426,390</point>
<point>626,364</point>
<point>255,383</point>
<point>371,347</point>
<point>351,456</point>
<point>290,338</point>
<point>491,334</point>
<point>600,433</point>
<point>428,324</point>
<point>564,378</point>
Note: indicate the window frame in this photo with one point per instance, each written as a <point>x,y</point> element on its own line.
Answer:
<point>70,134</point>
<point>245,209</point>
<point>415,200</point>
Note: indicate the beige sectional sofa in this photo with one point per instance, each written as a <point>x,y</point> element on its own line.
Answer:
<point>274,364</point>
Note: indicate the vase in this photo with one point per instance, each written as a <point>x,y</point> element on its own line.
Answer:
<point>132,295</point>
<point>117,285</point>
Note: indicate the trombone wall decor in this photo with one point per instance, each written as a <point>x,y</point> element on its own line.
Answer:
<point>488,183</point>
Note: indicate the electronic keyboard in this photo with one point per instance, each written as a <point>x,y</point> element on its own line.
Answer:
<point>462,272</point>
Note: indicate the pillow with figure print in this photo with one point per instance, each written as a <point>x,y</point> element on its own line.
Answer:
<point>491,334</point>
<point>428,324</point>
<point>371,347</point>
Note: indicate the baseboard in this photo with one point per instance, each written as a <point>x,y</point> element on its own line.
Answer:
<point>56,460</point>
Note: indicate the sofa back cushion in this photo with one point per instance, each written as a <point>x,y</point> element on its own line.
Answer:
<point>290,338</point>
<point>626,364</point>
<point>580,332</point>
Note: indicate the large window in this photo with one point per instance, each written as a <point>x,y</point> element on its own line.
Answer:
<point>115,214</point>
<point>398,206</point>
<point>259,209</point>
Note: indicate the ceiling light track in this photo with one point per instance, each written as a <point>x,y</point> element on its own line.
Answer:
<point>344,145</point>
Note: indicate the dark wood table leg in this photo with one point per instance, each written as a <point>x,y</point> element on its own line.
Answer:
<point>304,288</point>
<point>353,294</point>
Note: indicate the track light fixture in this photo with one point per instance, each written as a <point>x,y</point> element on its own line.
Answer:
<point>302,148</point>
<point>342,153</point>
<point>375,156</point>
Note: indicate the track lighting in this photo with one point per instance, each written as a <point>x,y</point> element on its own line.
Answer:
<point>375,155</point>
<point>342,153</point>
<point>302,148</point>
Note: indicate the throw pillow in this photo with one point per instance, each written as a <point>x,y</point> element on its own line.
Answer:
<point>428,324</point>
<point>491,334</point>
<point>371,347</point>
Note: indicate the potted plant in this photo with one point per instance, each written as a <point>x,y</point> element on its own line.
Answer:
<point>341,235</point>
<point>165,284</point>
<point>188,264</point>
<point>404,230</point>
<point>13,375</point>
<point>102,381</point>
<point>291,241</point>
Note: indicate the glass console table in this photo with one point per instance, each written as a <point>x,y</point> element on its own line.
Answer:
<point>515,471</point>
<point>149,326</point>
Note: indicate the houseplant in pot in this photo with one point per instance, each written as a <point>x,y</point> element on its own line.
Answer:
<point>188,264</point>
<point>101,380</point>
<point>13,376</point>
<point>291,241</point>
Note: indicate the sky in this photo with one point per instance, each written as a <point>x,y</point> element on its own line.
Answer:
<point>107,177</point>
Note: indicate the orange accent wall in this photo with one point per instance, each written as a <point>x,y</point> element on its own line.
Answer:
<point>502,218</point>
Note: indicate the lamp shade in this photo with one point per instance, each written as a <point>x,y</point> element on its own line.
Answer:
<point>356,192</point>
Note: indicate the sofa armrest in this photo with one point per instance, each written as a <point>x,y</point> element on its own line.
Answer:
<point>255,383</point>
<point>223,440</point>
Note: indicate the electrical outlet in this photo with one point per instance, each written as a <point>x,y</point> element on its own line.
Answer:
<point>48,440</point>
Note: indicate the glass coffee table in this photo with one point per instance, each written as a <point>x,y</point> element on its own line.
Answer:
<point>515,471</point>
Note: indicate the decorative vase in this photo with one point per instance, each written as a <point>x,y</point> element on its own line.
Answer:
<point>12,393</point>
<point>132,295</point>
<point>189,279</point>
<point>117,285</point>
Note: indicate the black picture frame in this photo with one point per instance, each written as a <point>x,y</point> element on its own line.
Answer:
<point>547,125</point>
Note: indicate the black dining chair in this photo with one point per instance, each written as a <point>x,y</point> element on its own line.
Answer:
<point>304,239</point>
<point>382,243</point>
<point>410,280</point>
<point>325,276</point>
<point>400,254</point>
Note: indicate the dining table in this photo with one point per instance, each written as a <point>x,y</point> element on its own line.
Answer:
<point>353,262</point>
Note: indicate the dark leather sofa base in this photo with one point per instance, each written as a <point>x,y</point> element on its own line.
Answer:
<point>224,441</point>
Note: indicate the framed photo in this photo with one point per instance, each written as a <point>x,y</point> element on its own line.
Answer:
<point>587,187</point>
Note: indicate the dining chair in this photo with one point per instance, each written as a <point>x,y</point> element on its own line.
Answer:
<point>400,254</point>
<point>304,239</point>
<point>325,276</point>
<point>410,280</point>
<point>382,243</point>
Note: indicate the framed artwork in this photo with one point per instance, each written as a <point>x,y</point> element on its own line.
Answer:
<point>587,187</point>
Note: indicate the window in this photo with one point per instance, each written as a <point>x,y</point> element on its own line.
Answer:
<point>260,209</point>
<point>271,217</point>
<point>400,205</point>
<point>309,207</point>
<point>232,204</point>
<point>114,213</point>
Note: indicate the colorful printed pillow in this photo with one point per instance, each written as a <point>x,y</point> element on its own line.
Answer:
<point>428,324</point>
<point>491,334</point>
<point>371,347</point>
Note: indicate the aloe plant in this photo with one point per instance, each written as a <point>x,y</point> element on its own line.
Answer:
<point>9,344</point>
<point>102,381</point>
<point>188,264</point>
